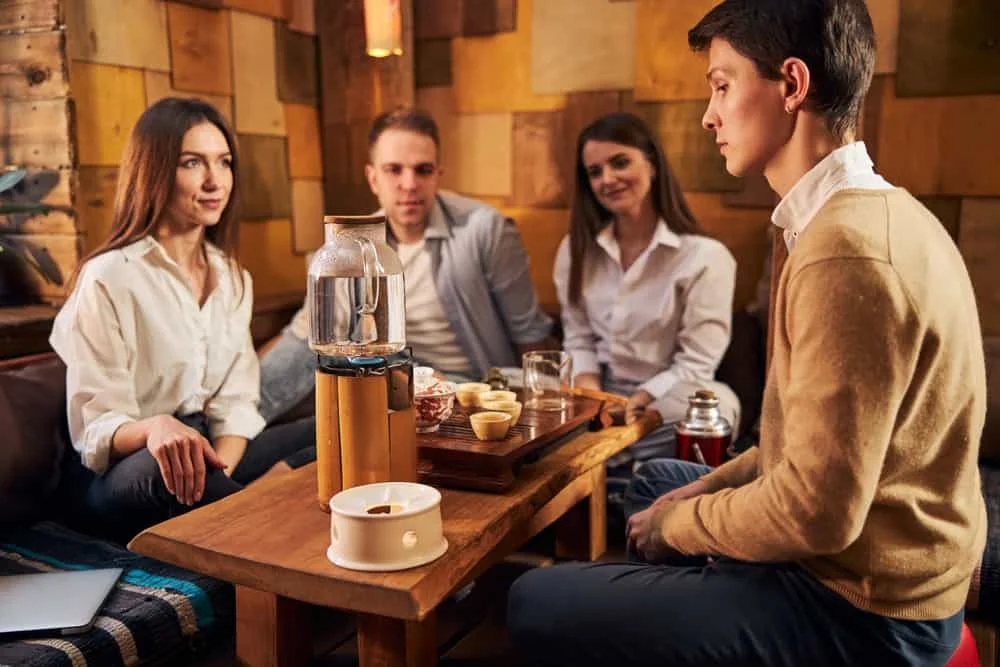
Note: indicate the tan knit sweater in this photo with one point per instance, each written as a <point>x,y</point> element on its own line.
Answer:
<point>874,406</point>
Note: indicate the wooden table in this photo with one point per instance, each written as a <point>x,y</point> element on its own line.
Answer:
<point>270,541</point>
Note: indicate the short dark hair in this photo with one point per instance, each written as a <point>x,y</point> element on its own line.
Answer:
<point>834,38</point>
<point>404,118</point>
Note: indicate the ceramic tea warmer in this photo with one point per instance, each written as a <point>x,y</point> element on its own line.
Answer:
<point>386,526</point>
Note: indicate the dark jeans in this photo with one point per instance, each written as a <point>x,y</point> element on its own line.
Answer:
<point>726,612</point>
<point>131,496</point>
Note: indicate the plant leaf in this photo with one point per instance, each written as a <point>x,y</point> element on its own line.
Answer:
<point>9,179</point>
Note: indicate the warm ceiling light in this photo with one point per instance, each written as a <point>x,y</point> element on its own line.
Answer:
<point>383,28</point>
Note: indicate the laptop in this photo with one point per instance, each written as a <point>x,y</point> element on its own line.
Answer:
<point>53,602</point>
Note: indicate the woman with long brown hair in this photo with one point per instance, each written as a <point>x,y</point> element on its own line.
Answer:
<point>646,297</point>
<point>162,377</point>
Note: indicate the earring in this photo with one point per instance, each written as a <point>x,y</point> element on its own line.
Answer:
<point>788,110</point>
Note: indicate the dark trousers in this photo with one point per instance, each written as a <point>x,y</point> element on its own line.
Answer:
<point>725,612</point>
<point>131,496</point>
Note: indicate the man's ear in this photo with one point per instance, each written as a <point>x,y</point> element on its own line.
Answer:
<point>370,177</point>
<point>796,78</point>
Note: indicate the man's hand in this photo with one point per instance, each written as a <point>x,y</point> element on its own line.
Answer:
<point>644,536</point>
<point>181,453</point>
<point>636,405</point>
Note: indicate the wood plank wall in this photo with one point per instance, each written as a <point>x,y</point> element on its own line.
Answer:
<point>257,61</point>
<point>513,81</point>
<point>36,134</point>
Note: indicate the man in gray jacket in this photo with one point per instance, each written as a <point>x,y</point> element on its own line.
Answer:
<point>470,303</point>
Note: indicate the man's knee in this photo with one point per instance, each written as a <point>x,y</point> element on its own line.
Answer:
<point>535,615</point>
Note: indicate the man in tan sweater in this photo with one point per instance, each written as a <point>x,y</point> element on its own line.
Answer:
<point>849,536</point>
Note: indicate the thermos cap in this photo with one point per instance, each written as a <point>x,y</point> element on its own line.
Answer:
<point>703,417</point>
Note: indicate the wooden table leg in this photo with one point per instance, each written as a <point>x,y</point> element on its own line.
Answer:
<point>389,642</point>
<point>582,533</point>
<point>271,631</point>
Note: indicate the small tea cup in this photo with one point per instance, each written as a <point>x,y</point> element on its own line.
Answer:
<point>468,393</point>
<point>513,408</point>
<point>490,425</point>
<point>497,395</point>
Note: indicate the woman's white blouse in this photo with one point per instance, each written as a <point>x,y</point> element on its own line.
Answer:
<point>136,344</point>
<point>666,319</point>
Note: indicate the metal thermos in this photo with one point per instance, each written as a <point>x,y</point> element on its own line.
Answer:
<point>703,436</point>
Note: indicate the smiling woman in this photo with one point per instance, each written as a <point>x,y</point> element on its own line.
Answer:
<point>646,297</point>
<point>162,377</point>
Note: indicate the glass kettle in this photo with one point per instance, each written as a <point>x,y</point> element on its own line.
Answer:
<point>355,291</point>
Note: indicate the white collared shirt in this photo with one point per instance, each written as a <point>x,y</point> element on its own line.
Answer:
<point>667,318</point>
<point>136,344</point>
<point>847,167</point>
<point>428,331</point>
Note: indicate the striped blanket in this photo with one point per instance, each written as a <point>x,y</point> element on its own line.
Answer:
<point>156,612</point>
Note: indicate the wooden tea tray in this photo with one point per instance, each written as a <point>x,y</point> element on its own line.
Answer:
<point>454,457</point>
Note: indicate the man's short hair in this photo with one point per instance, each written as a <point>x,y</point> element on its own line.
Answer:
<point>410,119</point>
<point>834,38</point>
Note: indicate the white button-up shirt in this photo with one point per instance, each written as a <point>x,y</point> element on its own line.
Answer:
<point>847,167</point>
<point>136,344</point>
<point>667,318</point>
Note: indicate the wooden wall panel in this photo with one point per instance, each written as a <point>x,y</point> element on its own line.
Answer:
<point>109,100</point>
<point>885,17</point>
<point>560,63</point>
<point>265,183</point>
<point>265,252</point>
<point>488,17</point>
<point>948,210</point>
<point>581,110</point>
<point>538,176</point>
<point>948,48</point>
<point>36,133</point>
<point>432,62</point>
<point>484,165</point>
<point>297,66</point>
<point>132,33</point>
<point>439,102</point>
<point>307,215</point>
<point>979,241</point>
<point>30,14</point>
<point>345,152</point>
<point>255,83</point>
<point>158,86</point>
<point>691,150</point>
<point>930,147</point>
<point>59,250</point>
<point>96,204</point>
<point>54,187</point>
<point>301,16</point>
<point>437,19</point>
<point>205,4</point>
<point>754,192</point>
<point>304,142</point>
<point>56,222</point>
<point>200,49</point>
<point>493,74</point>
<point>666,69</point>
<point>743,231</point>
<point>355,87</point>
<point>542,231</point>
<point>27,68</point>
<point>274,9</point>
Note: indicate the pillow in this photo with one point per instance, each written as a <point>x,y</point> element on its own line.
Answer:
<point>33,441</point>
